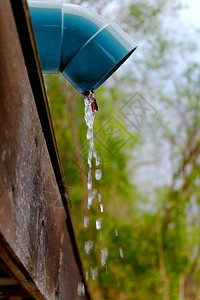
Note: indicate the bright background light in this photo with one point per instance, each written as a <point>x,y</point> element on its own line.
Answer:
<point>191,16</point>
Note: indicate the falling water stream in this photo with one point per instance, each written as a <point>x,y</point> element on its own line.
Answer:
<point>92,193</point>
<point>90,110</point>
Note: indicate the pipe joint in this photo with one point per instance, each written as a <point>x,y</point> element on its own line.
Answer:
<point>78,42</point>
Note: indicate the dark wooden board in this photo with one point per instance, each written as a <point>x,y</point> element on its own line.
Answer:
<point>36,241</point>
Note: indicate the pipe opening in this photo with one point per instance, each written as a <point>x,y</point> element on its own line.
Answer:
<point>112,70</point>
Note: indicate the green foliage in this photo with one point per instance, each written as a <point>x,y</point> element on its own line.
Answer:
<point>158,225</point>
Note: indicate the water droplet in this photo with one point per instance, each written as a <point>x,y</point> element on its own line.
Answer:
<point>89,119</point>
<point>89,183</point>
<point>101,207</point>
<point>90,199</point>
<point>81,289</point>
<point>91,196</point>
<point>97,159</point>
<point>86,222</point>
<point>88,247</point>
<point>116,232</point>
<point>104,256</point>
<point>99,197</point>
<point>94,273</point>
<point>121,252</point>
<point>98,223</point>
<point>98,174</point>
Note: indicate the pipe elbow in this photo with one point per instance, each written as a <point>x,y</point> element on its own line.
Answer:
<point>78,42</point>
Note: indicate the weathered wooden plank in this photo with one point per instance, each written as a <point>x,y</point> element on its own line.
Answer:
<point>35,241</point>
<point>31,58</point>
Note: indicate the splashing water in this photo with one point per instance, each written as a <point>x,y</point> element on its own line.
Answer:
<point>98,174</point>
<point>91,195</point>
<point>101,207</point>
<point>94,273</point>
<point>88,247</point>
<point>89,119</point>
<point>86,222</point>
<point>104,255</point>
<point>90,109</point>
<point>99,197</point>
<point>81,289</point>
<point>89,183</point>
<point>98,223</point>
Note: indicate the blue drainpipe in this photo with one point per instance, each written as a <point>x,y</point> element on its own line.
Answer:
<point>78,42</point>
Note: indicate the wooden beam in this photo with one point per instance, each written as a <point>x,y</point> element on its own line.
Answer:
<point>36,242</point>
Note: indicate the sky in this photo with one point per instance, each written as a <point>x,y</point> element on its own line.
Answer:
<point>191,16</point>
<point>159,173</point>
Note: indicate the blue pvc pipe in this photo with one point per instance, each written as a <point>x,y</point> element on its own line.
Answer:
<point>78,42</point>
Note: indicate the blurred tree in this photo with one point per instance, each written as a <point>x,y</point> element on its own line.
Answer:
<point>150,183</point>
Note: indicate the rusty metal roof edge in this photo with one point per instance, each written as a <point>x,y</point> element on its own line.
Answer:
<point>32,62</point>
